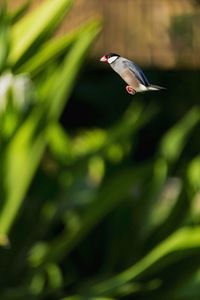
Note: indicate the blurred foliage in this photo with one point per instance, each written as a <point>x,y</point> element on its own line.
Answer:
<point>81,217</point>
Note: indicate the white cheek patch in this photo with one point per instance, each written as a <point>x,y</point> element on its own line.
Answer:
<point>112,59</point>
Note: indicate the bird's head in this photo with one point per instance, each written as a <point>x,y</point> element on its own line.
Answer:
<point>109,58</point>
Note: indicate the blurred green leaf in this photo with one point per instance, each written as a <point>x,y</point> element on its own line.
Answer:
<point>26,148</point>
<point>35,26</point>
<point>194,173</point>
<point>50,51</point>
<point>23,153</point>
<point>4,35</point>
<point>54,276</point>
<point>174,141</point>
<point>112,192</point>
<point>64,77</point>
<point>185,239</point>
<point>19,12</point>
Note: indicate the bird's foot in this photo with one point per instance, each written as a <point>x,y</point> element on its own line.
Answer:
<point>130,90</point>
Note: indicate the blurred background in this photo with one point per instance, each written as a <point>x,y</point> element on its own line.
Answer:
<point>99,190</point>
<point>162,34</point>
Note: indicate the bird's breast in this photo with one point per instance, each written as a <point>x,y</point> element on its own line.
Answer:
<point>130,78</point>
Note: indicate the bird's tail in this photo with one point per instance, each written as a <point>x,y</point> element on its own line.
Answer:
<point>153,87</point>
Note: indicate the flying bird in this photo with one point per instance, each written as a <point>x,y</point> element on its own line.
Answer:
<point>130,73</point>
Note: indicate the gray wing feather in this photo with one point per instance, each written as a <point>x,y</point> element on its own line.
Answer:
<point>137,71</point>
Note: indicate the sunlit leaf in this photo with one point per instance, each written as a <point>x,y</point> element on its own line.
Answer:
<point>19,12</point>
<point>35,25</point>
<point>50,51</point>
<point>64,77</point>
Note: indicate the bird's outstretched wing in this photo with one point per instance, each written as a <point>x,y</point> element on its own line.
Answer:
<point>136,70</point>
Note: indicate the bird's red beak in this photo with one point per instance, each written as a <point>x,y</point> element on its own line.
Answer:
<point>104,59</point>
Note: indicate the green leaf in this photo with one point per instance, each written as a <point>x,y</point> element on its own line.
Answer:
<point>193,173</point>
<point>110,194</point>
<point>21,160</point>
<point>35,25</point>
<point>49,52</point>
<point>174,141</point>
<point>4,36</point>
<point>25,149</point>
<point>19,12</point>
<point>64,77</point>
<point>181,241</point>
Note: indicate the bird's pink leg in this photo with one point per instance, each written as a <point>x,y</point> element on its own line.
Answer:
<point>130,90</point>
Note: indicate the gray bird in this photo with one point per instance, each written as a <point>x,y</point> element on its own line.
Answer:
<point>130,73</point>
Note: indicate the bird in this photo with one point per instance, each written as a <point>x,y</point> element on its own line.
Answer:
<point>131,73</point>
